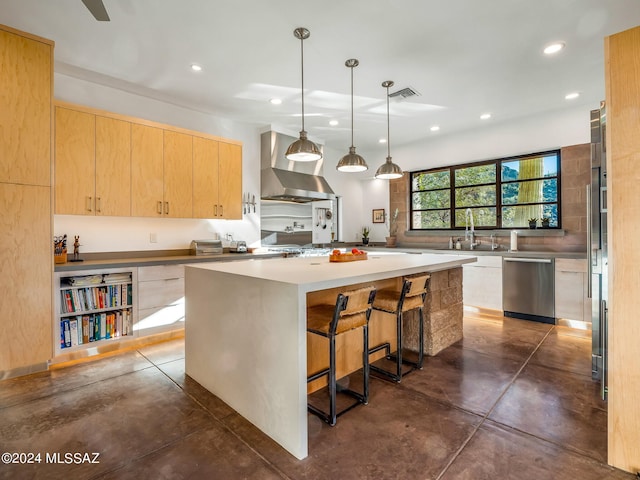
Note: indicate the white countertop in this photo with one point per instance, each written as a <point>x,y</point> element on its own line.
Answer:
<point>316,273</point>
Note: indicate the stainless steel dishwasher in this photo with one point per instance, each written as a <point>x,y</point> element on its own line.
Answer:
<point>528,288</point>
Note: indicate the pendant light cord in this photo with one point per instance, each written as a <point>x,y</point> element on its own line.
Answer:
<point>302,70</point>
<point>388,129</point>
<point>352,106</point>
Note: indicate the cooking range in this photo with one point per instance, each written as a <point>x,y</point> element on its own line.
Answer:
<point>296,251</point>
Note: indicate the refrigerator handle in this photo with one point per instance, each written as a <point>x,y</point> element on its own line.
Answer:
<point>589,250</point>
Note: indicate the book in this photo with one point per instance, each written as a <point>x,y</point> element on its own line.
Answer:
<point>67,333</point>
<point>85,329</point>
<point>73,332</point>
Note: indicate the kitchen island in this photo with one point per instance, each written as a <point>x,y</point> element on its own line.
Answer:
<point>246,330</point>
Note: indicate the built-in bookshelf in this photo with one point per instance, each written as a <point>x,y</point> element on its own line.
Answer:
<point>94,307</point>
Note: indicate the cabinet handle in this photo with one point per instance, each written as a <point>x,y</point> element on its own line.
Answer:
<point>99,204</point>
<point>215,210</point>
<point>166,208</point>
<point>89,204</point>
<point>221,211</point>
<point>159,207</point>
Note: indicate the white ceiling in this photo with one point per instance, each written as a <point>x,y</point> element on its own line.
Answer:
<point>464,57</point>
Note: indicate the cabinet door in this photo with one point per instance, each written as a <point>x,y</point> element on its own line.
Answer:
<point>75,154</point>
<point>147,171</point>
<point>27,272</point>
<point>178,174</point>
<point>25,110</point>
<point>230,184</point>
<point>113,167</point>
<point>205,178</point>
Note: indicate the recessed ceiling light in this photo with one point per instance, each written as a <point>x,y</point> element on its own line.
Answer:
<point>435,128</point>
<point>195,67</point>
<point>275,101</point>
<point>571,96</point>
<point>382,140</point>
<point>333,123</point>
<point>485,116</point>
<point>553,48</point>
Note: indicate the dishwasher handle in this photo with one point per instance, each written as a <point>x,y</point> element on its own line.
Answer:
<point>527,260</point>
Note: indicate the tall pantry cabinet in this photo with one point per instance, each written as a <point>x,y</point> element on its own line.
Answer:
<point>26,248</point>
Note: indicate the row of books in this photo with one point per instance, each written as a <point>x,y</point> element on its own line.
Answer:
<point>83,329</point>
<point>95,298</point>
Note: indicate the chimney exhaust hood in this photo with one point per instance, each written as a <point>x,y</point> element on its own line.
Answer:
<point>286,180</point>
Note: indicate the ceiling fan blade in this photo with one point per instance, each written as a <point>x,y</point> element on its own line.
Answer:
<point>96,7</point>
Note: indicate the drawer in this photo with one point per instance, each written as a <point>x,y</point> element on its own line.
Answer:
<point>159,293</point>
<point>571,265</point>
<point>485,261</point>
<point>160,272</point>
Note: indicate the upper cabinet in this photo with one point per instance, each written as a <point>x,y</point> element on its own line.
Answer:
<point>178,174</point>
<point>93,164</point>
<point>25,108</point>
<point>147,171</point>
<point>107,164</point>
<point>230,184</point>
<point>217,179</point>
<point>113,167</point>
<point>205,178</point>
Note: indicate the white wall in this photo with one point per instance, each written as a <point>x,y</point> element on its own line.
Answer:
<point>497,140</point>
<point>112,234</point>
<point>360,192</point>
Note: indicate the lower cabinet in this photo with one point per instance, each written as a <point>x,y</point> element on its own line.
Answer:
<point>160,299</point>
<point>482,283</point>
<point>571,279</point>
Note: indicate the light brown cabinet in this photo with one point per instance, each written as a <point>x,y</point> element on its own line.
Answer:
<point>26,255</point>
<point>178,174</point>
<point>113,167</point>
<point>93,164</point>
<point>75,143</point>
<point>25,108</point>
<point>205,178</point>
<point>217,179</point>
<point>147,171</point>
<point>230,183</point>
<point>109,164</point>
<point>622,79</point>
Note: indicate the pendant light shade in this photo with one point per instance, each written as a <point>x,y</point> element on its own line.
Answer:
<point>352,162</point>
<point>303,149</point>
<point>388,170</point>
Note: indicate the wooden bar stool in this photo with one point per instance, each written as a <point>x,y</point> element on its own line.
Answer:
<point>411,296</point>
<point>351,310</point>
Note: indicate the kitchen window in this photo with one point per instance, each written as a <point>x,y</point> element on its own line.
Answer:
<point>503,193</point>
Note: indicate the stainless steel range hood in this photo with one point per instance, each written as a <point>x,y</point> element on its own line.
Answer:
<point>285,180</point>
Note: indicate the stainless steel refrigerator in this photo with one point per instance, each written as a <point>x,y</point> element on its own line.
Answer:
<point>597,246</point>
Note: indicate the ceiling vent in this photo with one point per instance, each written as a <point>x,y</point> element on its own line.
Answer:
<point>404,93</point>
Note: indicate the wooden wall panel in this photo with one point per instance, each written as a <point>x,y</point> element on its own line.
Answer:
<point>622,54</point>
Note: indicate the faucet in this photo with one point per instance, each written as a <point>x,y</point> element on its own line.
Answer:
<point>469,234</point>
<point>494,244</point>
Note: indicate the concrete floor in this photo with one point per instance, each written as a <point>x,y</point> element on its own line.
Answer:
<point>513,399</point>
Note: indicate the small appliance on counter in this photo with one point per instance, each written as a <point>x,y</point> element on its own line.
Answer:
<point>206,247</point>
<point>238,246</point>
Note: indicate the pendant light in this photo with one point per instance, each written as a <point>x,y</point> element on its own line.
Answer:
<point>303,149</point>
<point>352,162</point>
<point>388,170</point>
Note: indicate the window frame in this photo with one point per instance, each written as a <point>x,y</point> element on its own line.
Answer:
<point>498,184</point>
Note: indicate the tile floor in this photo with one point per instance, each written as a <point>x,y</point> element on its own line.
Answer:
<point>513,399</point>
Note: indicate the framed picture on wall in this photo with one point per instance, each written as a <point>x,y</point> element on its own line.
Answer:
<point>378,215</point>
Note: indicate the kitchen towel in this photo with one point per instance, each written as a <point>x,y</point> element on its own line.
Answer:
<point>514,241</point>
